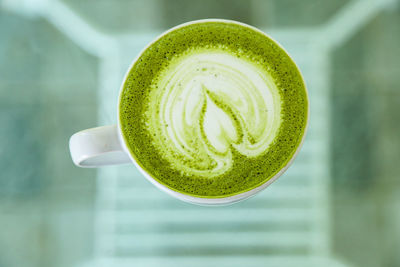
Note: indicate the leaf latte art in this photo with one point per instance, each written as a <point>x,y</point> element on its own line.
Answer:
<point>207,103</point>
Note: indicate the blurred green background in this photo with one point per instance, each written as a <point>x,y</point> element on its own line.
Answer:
<point>61,64</point>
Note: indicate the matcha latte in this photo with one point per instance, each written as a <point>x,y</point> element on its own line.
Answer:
<point>213,109</point>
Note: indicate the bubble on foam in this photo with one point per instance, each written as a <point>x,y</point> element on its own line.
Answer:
<point>208,102</point>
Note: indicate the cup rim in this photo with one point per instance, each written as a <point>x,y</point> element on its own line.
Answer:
<point>205,200</point>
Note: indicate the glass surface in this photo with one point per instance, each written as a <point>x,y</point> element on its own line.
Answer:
<point>61,65</point>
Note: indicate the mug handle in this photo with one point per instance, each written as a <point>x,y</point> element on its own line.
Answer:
<point>97,147</point>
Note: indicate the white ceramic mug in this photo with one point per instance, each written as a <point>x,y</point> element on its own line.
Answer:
<point>105,145</point>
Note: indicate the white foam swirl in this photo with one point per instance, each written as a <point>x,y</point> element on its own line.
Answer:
<point>208,102</point>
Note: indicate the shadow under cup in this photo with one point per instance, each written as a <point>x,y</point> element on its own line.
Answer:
<point>213,110</point>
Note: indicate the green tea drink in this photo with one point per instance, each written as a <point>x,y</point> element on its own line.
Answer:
<point>213,109</point>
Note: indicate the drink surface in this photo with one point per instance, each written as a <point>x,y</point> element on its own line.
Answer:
<point>213,109</point>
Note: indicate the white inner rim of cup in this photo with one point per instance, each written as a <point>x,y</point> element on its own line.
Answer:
<point>205,200</point>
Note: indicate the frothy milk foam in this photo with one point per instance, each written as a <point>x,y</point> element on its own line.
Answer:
<point>208,101</point>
